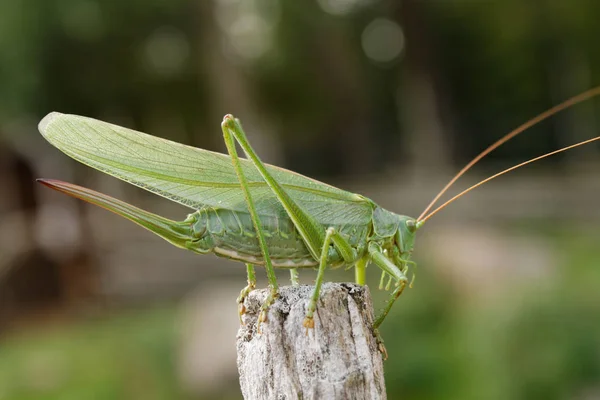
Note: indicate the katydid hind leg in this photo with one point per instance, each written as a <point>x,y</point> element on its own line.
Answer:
<point>246,291</point>
<point>312,232</point>
<point>230,144</point>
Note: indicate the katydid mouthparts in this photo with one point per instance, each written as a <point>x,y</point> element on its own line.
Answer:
<point>252,212</point>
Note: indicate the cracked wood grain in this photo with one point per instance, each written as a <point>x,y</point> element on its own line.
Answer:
<point>338,359</point>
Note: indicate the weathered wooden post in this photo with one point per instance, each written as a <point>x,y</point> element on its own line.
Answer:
<point>339,359</point>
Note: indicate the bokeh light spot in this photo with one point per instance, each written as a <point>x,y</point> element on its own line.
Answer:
<point>166,51</point>
<point>248,26</point>
<point>250,36</point>
<point>383,40</point>
<point>341,7</point>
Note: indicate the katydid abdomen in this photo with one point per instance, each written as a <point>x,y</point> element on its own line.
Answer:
<point>230,234</point>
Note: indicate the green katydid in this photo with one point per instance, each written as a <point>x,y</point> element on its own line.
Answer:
<point>253,212</point>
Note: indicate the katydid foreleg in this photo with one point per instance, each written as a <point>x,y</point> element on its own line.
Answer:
<point>391,269</point>
<point>398,260</point>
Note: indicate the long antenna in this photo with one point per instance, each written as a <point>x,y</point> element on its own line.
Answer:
<point>548,113</point>
<point>504,172</point>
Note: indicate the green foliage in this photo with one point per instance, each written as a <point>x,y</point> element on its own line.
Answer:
<point>126,356</point>
<point>541,342</point>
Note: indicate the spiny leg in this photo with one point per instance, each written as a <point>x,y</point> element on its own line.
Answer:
<point>294,276</point>
<point>245,291</point>
<point>397,291</point>
<point>229,142</point>
<point>391,269</point>
<point>311,231</point>
<point>399,261</point>
<point>391,278</point>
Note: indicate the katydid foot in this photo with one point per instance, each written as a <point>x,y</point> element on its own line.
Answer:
<point>246,291</point>
<point>242,297</point>
<point>380,344</point>
<point>264,309</point>
<point>309,322</point>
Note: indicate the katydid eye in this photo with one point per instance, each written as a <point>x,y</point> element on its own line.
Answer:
<point>411,225</point>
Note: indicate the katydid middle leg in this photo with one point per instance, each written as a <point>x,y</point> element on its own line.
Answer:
<point>360,271</point>
<point>331,237</point>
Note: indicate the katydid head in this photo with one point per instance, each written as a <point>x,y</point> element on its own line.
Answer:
<point>426,214</point>
<point>406,233</point>
<point>399,228</point>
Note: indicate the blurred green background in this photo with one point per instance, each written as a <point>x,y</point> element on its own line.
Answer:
<point>380,97</point>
